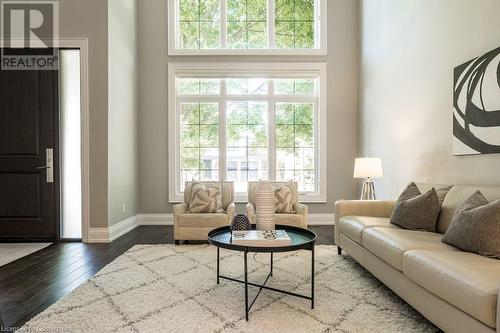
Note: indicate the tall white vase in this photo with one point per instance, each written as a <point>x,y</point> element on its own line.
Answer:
<point>264,206</point>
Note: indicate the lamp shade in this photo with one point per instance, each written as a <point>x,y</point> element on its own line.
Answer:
<point>365,167</point>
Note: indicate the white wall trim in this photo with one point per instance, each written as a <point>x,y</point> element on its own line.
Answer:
<point>107,235</point>
<point>156,219</point>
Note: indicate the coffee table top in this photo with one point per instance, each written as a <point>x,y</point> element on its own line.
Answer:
<point>301,239</point>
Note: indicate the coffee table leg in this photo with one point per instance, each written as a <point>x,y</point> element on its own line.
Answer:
<point>246,287</point>
<point>218,265</point>
<point>312,277</point>
<point>271,264</point>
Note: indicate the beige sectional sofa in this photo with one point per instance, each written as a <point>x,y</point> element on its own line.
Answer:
<point>456,290</point>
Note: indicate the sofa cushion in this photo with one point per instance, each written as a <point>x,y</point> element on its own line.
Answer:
<point>456,196</point>
<point>466,280</point>
<point>353,226</point>
<point>476,227</point>
<point>202,220</point>
<point>415,210</point>
<point>390,244</point>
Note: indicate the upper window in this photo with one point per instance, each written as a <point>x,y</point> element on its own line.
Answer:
<point>247,26</point>
<point>244,124</point>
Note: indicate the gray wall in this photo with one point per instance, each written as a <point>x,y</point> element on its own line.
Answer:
<point>342,102</point>
<point>122,111</point>
<point>89,19</point>
<point>408,52</point>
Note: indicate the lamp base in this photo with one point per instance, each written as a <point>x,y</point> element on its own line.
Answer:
<point>368,190</point>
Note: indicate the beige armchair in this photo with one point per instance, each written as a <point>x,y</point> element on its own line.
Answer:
<point>298,219</point>
<point>190,226</point>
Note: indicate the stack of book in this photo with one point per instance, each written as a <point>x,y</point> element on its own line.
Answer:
<point>261,238</point>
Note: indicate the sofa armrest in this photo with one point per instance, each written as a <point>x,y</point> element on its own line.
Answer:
<point>231,210</point>
<point>250,208</point>
<point>377,208</point>
<point>302,209</point>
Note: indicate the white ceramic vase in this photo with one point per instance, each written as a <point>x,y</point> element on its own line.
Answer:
<point>264,206</point>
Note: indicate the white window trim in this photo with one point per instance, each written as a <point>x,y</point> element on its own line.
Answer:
<point>250,68</point>
<point>320,34</point>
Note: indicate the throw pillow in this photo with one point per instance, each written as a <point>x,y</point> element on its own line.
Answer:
<point>205,199</point>
<point>475,227</point>
<point>417,211</point>
<point>284,198</point>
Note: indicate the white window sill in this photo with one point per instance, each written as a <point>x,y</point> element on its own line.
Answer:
<point>256,52</point>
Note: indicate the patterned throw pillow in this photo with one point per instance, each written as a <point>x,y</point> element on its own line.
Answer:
<point>284,198</point>
<point>417,211</point>
<point>475,227</point>
<point>205,199</point>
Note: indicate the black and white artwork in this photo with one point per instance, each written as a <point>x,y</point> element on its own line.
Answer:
<point>476,105</point>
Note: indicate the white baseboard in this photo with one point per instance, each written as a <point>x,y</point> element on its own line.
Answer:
<point>156,219</point>
<point>107,235</point>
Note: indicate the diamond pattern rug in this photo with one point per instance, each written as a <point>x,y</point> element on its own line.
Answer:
<point>167,288</point>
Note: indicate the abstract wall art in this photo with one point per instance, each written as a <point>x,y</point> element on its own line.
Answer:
<point>476,105</point>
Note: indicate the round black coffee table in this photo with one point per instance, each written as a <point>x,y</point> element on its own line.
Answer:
<point>302,239</point>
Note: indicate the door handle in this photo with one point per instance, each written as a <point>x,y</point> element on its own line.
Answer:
<point>49,157</point>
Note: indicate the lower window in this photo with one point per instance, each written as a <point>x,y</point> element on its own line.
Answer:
<point>248,122</point>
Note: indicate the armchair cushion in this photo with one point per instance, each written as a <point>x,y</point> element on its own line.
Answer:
<point>227,191</point>
<point>205,198</point>
<point>294,195</point>
<point>284,198</point>
<point>201,220</point>
<point>299,219</point>
<point>295,220</point>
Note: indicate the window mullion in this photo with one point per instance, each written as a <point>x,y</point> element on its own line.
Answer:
<point>177,145</point>
<point>317,24</point>
<point>317,152</point>
<point>222,131</point>
<point>270,24</point>
<point>223,23</point>
<point>272,133</point>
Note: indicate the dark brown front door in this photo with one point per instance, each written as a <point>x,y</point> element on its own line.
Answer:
<point>29,180</point>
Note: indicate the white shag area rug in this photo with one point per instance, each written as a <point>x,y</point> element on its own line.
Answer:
<point>167,288</point>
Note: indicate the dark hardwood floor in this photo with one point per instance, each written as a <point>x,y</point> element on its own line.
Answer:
<point>31,284</point>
